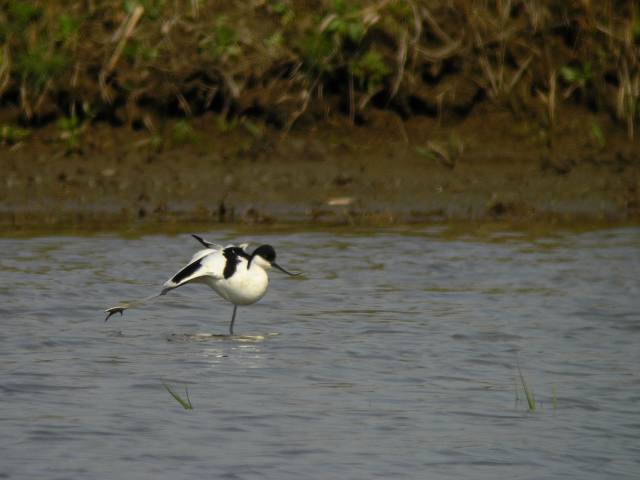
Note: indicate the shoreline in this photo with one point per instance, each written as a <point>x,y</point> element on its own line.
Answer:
<point>486,168</point>
<point>123,115</point>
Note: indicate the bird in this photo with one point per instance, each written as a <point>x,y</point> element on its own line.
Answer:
<point>232,272</point>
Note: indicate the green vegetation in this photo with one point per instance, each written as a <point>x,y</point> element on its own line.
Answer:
<point>533,405</point>
<point>71,131</point>
<point>598,137</point>
<point>282,60</point>
<point>222,43</point>
<point>444,154</point>
<point>12,134</point>
<point>528,392</point>
<point>183,133</point>
<point>184,403</point>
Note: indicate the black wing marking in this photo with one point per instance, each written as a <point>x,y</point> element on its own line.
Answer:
<point>233,255</point>
<point>203,241</point>
<point>187,271</point>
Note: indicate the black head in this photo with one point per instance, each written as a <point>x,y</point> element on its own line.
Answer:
<point>265,251</point>
<point>268,253</point>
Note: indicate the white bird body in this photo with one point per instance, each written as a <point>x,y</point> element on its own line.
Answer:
<point>234,274</point>
<point>245,286</point>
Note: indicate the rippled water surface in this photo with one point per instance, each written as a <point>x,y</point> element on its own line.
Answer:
<point>396,357</point>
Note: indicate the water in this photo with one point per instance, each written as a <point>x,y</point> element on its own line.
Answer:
<point>396,357</point>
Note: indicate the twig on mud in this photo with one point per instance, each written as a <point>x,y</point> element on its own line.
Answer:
<point>401,60</point>
<point>306,96</point>
<point>211,94</point>
<point>184,105</point>
<point>450,46</point>
<point>371,14</point>
<point>42,95</point>
<point>442,53</point>
<point>519,73</point>
<point>549,100</point>
<point>121,35</point>
<point>366,98</point>
<point>442,153</point>
<point>417,33</point>
<point>132,100</point>
<point>195,8</point>
<point>125,33</point>
<point>352,104</point>
<point>494,87</point>
<point>496,76</point>
<point>230,83</point>
<point>628,101</point>
<point>434,27</point>
<point>74,85</point>
<point>24,100</point>
<point>5,68</point>
<point>536,13</point>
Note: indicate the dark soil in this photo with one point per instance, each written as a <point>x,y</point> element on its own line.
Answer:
<point>485,167</point>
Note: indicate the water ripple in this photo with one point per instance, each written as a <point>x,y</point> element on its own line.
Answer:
<point>396,356</point>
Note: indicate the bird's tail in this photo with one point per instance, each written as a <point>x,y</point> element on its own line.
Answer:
<point>133,303</point>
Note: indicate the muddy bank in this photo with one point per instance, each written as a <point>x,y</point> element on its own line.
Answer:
<point>161,114</point>
<point>487,167</point>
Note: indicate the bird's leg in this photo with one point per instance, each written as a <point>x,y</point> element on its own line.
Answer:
<point>134,303</point>
<point>233,319</point>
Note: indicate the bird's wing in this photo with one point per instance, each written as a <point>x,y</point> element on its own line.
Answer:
<point>202,253</point>
<point>208,262</point>
<point>206,243</point>
<point>205,263</point>
<point>233,256</point>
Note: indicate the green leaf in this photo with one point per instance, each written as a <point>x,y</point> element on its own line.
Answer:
<point>575,74</point>
<point>569,74</point>
<point>355,31</point>
<point>67,27</point>
<point>186,404</point>
<point>23,12</point>
<point>426,153</point>
<point>39,63</point>
<point>317,51</point>
<point>370,69</point>
<point>274,40</point>
<point>598,135</point>
<point>11,134</point>
<point>528,392</point>
<point>224,35</point>
<point>183,133</point>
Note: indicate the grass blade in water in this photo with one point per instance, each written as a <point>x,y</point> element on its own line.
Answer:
<point>186,404</point>
<point>528,393</point>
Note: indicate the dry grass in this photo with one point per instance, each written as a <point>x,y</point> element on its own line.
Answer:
<point>129,62</point>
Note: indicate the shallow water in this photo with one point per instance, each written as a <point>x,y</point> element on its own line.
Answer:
<point>396,357</point>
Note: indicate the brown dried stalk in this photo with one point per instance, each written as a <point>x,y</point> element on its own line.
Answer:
<point>122,35</point>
